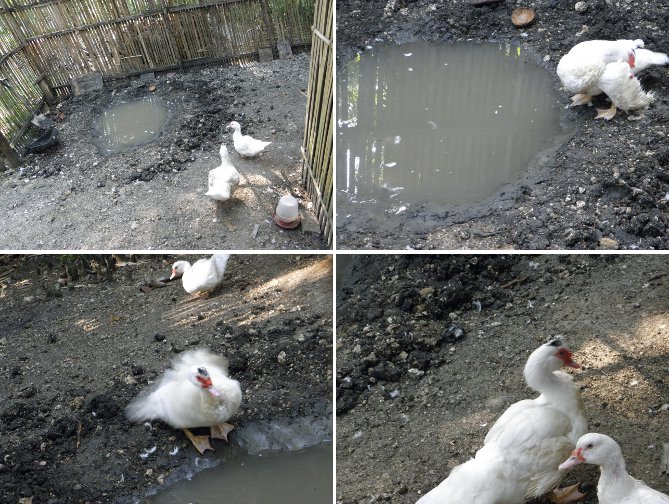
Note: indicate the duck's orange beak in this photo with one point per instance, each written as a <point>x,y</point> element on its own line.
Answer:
<point>631,60</point>
<point>575,459</point>
<point>174,273</point>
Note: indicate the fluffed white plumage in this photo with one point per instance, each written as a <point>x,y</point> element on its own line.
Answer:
<point>224,179</point>
<point>623,89</point>
<point>245,145</point>
<point>615,485</point>
<point>608,66</point>
<point>580,69</point>
<point>182,401</point>
<point>522,449</point>
<point>203,275</point>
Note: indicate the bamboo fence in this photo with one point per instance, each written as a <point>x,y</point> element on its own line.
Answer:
<point>317,146</point>
<point>45,43</point>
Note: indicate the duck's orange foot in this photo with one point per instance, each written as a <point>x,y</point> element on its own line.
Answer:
<point>607,114</point>
<point>201,443</point>
<point>580,99</point>
<point>221,431</point>
<point>566,495</point>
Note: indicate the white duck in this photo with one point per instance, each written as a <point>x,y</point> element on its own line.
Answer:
<point>245,145</point>
<point>615,485</point>
<point>224,179</point>
<point>580,69</point>
<point>195,392</point>
<point>593,65</point>
<point>519,458</point>
<point>204,275</point>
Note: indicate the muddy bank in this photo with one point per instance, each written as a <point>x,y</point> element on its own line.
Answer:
<point>75,196</point>
<point>422,374</point>
<point>603,188</point>
<point>72,359</point>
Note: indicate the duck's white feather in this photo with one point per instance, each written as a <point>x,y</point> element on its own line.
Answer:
<point>615,485</point>
<point>245,145</point>
<point>204,274</point>
<point>180,404</point>
<point>643,58</point>
<point>224,179</point>
<point>521,453</point>
<point>623,88</point>
<point>580,69</point>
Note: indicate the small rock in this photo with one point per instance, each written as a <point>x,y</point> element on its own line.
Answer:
<point>608,243</point>
<point>522,17</point>
<point>454,333</point>
<point>426,292</point>
<point>581,7</point>
<point>415,373</point>
<point>159,337</point>
<point>281,358</point>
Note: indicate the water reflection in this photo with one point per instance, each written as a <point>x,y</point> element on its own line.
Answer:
<point>132,123</point>
<point>448,123</point>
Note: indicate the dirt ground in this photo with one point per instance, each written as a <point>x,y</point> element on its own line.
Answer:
<point>411,405</point>
<point>73,197</point>
<point>605,188</point>
<point>73,357</point>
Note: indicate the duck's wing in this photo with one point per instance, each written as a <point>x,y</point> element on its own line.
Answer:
<point>623,88</point>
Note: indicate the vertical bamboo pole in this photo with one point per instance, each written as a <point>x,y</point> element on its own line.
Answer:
<point>269,26</point>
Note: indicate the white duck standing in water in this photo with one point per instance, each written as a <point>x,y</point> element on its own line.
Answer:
<point>245,145</point>
<point>203,276</point>
<point>520,457</point>
<point>195,392</point>
<point>594,66</point>
<point>615,485</point>
<point>224,179</point>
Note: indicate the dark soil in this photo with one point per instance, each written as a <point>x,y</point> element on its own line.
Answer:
<point>605,188</point>
<point>73,357</point>
<point>74,196</point>
<point>422,374</point>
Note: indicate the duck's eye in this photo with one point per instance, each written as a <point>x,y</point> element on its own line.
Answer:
<point>589,445</point>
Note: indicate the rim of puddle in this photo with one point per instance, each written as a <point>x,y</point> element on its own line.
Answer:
<point>454,213</point>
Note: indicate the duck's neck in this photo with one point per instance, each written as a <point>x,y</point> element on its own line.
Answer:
<point>614,479</point>
<point>559,391</point>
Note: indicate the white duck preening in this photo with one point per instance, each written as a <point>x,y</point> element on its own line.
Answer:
<point>195,392</point>
<point>245,145</point>
<point>615,485</point>
<point>608,66</point>
<point>203,276</point>
<point>224,179</point>
<point>521,452</point>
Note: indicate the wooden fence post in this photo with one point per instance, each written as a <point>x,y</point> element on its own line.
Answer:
<point>269,26</point>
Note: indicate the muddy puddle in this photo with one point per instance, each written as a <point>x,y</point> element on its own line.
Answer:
<point>299,477</point>
<point>448,123</point>
<point>130,124</point>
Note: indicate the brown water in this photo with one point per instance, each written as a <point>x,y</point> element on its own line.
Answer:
<point>295,477</point>
<point>132,123</point>
<point>441,122</point>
